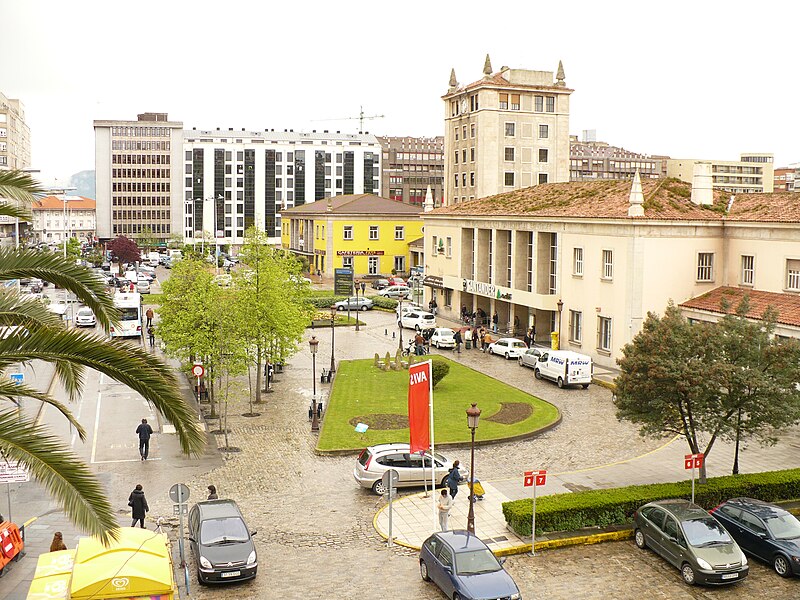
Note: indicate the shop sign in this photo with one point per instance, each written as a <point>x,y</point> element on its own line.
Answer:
<point>486,289</point>
<point>433,281</point>
<point>359,253</point>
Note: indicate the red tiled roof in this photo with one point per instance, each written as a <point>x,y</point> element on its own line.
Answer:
<point>787,305</point>
<point>367,204</point>
<point>73,203</point>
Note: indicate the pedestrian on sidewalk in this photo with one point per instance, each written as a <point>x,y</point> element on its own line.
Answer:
<point>453,480</point>
<point>444,505</point>
<point>58,542</point>
<point>138,504</point>
<point>458,340</point>
<point>495,321</point>
<point>151,335</point>
<point>468,339</point>
<point>476,338</point>
<point>419,342</point>
<point>212,492</point>
<point>149,315</point>
<point>144,431</point>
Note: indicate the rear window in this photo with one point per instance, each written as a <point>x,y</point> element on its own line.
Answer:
<point>364,458</point>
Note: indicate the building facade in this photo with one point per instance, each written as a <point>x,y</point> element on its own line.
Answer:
<point>784,179</point>
<point>366,233</point>
<point>56,218</point>
<point>751,174</point>
<point>138,177</point>
<point>591,160</point>
<point>15,135</point>
<point>507,131</point>
<point>410,165</point>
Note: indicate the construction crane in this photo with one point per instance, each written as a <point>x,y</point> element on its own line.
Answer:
<point>360,118</point>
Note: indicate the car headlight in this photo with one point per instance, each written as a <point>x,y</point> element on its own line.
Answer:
<point>744,559</point>
<point>251,560</point>
<point>796,559</point>
<point>516,596</point>
<point>703,564</point>
<point>205,563</point>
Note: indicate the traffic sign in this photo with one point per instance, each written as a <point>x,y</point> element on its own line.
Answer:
<point>179,493</point>
<point>13,472</point>
<point>537,478</point>
<point>198,370</point>
<point>395,477</point>
<point>693,461</point>
<point>180,509</point>
<point>18,378</point>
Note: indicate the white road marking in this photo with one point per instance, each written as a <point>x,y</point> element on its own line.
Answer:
<point>122,460</point>
<point>96,426</point>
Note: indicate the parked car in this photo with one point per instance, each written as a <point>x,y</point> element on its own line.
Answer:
<point>462,566</point>
<point>374,461</point>
<point>394,280</point>
<point>691,540</point>
<point>396,292</point>
<point>764,531</point>
<point>443,338</point>
<point>354,303</point>
<point>36,286</point>
<point>508,347</point>
<point>380,284</point>
<point>223,280</point>
<point>105,265</point>
<point>417,320</point>
<point>530,357</point>
<point>85,318</point>
<point>407,307</point>
<point>222,544</point>
<point>565,368</point>
<point>143,285</point>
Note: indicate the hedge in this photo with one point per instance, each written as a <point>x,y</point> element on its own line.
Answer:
<point>383,302</point>
<point>328,301</point>
<point>600,508</point>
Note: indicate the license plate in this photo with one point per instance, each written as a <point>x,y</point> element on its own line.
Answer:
<point>237,573</point>
<point>730,576</point>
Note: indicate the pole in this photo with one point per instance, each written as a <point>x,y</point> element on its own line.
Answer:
<point>433,453</point>
<point>533,518</point>
<point>333,342</point>
<point>314,418</point>
<point>471,513</point>
<point>180,539</point>
<point>692,479</point>
<point>391,492</point>
<point>8,491</point>
<point>348,304</point>
<point>400,321</point>
<point>424,480</point>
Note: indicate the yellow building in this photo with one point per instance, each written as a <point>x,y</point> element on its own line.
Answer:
<point>363,232</point>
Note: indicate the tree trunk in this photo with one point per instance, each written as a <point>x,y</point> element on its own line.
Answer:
<point>258,374</point>
<point>735,470</point>
<point>225,426</point>
<point>250,386</point>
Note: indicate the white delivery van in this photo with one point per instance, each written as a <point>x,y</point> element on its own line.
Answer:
<point>175,254</point>
<point>152,258</point>
<point>564,367</point>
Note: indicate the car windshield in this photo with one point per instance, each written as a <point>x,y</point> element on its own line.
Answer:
<point>704,532</point>
<point>216,532</point>
<point>476,561</point>
<point>783,527</point>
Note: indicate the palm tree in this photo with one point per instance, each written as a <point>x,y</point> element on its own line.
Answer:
<point>28,331</point>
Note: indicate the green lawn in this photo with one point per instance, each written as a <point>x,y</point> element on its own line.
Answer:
<point>362,389</point>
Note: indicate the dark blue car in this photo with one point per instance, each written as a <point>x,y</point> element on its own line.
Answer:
<point>464,568</point>
<point>764,531</point>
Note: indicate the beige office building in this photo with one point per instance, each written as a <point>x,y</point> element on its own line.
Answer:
<point>15,153</point>
<point>590,259</point>
<point>752,173</point>
<point>506,131</point>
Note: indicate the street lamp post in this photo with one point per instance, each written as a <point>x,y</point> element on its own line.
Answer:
<point>356,288</point>
<point>560,306</point>
<point>473,416</point>
<point>400,324</point>
<point>333,344</point>
<point>313,343</point>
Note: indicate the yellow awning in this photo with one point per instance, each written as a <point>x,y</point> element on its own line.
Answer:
<point>54,563</point>
<point>51,579</point>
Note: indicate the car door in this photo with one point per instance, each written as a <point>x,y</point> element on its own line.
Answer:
<point>754,536</point>
<point>194,527</point>
<point>445,570</point>
<point>414,462</point>
<point>672,541</point>
<point>651,524</point>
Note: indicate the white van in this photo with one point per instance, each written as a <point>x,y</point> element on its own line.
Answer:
<point>152,258</point>
<point>564,367</point>
<point>175,254</point>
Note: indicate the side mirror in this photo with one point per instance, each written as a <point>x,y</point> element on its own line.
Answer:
<point>255,531</point>
<point>763,535</point>
<point>191,539</point>
<point>447,569</point>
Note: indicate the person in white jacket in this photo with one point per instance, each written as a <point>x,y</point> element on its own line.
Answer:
<point>444,505</point>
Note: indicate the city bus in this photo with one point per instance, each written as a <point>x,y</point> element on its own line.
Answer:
<point>129,305</point>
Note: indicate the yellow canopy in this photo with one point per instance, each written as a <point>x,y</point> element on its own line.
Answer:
<point>51,579</point>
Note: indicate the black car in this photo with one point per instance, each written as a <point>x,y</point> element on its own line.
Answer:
<point>222,545</point>
<point>764,531</point>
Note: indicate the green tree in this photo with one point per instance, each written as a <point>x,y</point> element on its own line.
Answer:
<point>40,335</point>
<point>146,239</point>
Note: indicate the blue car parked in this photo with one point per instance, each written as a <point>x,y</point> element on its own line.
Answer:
<point>464,568</point>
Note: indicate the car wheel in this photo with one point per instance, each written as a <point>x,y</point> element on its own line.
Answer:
<point>491,351</point>
<point>781,565</point>
<point>435,344</point>
<point>444,481</point>
<point>456,596</point>
<point>340,307</point>
<point>537,374</point>
<point>364,307</point>
<point>560,382</point>
<point>506,355</point>
<point>521,364</point>
<point>688,573</point>
<point>638,537</point>
<point>585,386</point>
<point>423,571</point>
<point>379,488</point>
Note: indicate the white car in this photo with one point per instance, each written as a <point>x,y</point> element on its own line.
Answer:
<point>396,292</point>
<point>508,347</point>
<point>530,357</point>
<point>407,307</point>
<point>85,318</point>
<point>417,320</point>
<point>443,338</point>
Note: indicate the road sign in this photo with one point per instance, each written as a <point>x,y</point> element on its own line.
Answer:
<point>693,461</point>
<point>13,472</point>
<point>180,509</point>
<point>537,478</point>
<point>395,477</point>
<point>18,378</point>
<point>198,370</point>
<point>343,282</point>
<point>179,493</point>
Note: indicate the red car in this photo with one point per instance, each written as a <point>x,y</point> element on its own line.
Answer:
<point>396,281</point>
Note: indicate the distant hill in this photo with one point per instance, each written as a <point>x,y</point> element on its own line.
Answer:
<point>84,182</point>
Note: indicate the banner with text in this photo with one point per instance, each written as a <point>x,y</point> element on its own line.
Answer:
<point>419,395</point>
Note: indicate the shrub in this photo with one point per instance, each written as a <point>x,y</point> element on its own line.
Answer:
<point>383,302</point>
<point>439,370</point>
<point>599,508</point>
<point>325,301</point>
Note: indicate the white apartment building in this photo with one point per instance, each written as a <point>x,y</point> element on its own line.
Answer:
<point>234,179</point>
<point>752,173</point>
<point>56,218</point>
<point>506,131</point>
<point>15,153</point>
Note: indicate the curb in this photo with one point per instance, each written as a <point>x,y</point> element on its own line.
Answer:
<point>581,540</point>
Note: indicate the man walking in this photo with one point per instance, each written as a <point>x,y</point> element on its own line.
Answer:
<point>144,431</point>
<point>151,335</point>
<point>453,480</point>
<point>138,504</point>
<point>444,505</point>
<point>458,340</point>
<point>149,315</point>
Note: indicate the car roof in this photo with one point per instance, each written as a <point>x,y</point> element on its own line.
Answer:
<point>681,509</point>
<point>758,507</point>
<point>444,329</point>
<point>217,509</point>
<point>461,540</point>
<point>508,340</point>
<point>388,447</point>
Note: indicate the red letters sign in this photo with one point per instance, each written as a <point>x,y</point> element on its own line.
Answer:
<point>538,478</point>
<point>693,460</point>
<point>419,390</point>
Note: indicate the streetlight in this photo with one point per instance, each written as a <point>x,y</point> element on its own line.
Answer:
<point>473,416</point>
<point>560,306</point>
<point>356,286</point>
<point>400,324</point>
<point>313,343</point>
<point>363,286</point>
<point>333,346</point>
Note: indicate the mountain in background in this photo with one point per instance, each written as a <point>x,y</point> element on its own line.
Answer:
<point>84,182</point>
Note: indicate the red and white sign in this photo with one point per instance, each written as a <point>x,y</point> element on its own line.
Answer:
<point>537,478</point>
<point>693,461</point>
<point>419,395</point>
<point>198,370</point>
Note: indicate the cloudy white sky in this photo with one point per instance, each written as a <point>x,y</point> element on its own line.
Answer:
<point>703,79</point>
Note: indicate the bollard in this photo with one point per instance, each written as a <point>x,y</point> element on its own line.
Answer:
<point>385,332</point>
<point>393,335</point>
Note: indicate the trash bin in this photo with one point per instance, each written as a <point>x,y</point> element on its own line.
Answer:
<point>279,367</point>
<point>468,344</point>
<point>553,340</point>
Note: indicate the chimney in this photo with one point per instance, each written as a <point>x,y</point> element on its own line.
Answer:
<point>636,198</point>
<point>702,188</point>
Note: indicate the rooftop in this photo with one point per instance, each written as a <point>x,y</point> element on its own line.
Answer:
<point>358,204</point>
<point>787,305</point>
<point>57,203</point>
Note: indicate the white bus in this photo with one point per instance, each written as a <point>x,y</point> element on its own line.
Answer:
<point>129,305</point>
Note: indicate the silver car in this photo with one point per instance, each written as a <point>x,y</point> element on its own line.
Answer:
<point>529,358</point>
<point>374,461</point>
<point>354,303</point>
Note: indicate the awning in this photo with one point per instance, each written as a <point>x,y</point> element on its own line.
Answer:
<point>52,576</point>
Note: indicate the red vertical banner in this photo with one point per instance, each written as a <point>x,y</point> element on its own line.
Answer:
<point>419,389</point>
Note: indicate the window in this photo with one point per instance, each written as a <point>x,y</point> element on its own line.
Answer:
<point>793,274</point>
<point>503,101</point>
<point>372,265</point>
<point>577,262</point>
<point>511,129</point>
<point>748,270</point>
<point>705,266</point>
<point>435,242</point>
<point>538,103</point>
<point>455,156</point>
<point>464,131</point>
<point>373,232</point>
<point>472,154</point>
<point>509,153</point>
<point>508,178</point>
<point>514,101</point>
<point>543,155</point>
<point>551,104</point>
<point>604,334</point>
<point>472,130</point>
<point>348,232</point>
<point>608,264</point>
<point>399,232</point>
<point>544,131</point>
<point>400,264</point>
<point>456,179</point>
<point>543,177</point>
<point>472,178</point>
<point>449,247</point>
<point>463,180</point>
<point>347,262</point>
<point>464,155</point>
<point>456,132</point>
<point>575,326</point>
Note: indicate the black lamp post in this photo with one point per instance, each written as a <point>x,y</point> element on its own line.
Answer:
<point>473,416</point>
<point>560,306</point>
<point>333,340</point>
<point>357,307</point>
<point>400,324</point>
<point>313,343</point>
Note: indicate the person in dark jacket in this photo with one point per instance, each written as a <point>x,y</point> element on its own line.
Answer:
<point>457,339</point>
<point>212,492</point>
<point>138,504</point>
<point>452,480</point>
<point>144,431</point>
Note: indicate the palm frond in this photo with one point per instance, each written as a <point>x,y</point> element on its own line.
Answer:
<point>61,472</point>
<point>16,311</point>
<point>19,186</point>
<point>14,211</point>
<point>13,391</point>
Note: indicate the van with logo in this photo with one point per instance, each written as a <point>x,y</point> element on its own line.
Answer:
<point>565,368</point>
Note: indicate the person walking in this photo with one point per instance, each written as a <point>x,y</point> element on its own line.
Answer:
<point>476,338</point>
<point>419,342</point>
<point>138,504</point>
<point>495,321</point>
<point>444,505</point>
<point>482,338</point>
<point>212,492</point>
<point>527,338</point>
<point>149,315</point>
<point>468,339</point>
<point>144,431</point>
<point>58,542</point>
<point>453,478</point>
<point>151,335</point>
<point>516,324</point>
<point>457,338</point>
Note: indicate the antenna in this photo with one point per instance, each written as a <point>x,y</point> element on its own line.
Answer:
<point>360,118</point>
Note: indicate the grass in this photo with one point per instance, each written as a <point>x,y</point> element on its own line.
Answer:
<point>362,389</point>
<point>154,299</point>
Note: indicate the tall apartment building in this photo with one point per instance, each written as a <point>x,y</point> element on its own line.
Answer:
<point>508,130</point>
<point>590,160</point>
<point>138,177</point>
<point>784,179</point>
<point>410,165</point>
<point>235,179</point>
<point>752,173</point>
<point>15,135</point>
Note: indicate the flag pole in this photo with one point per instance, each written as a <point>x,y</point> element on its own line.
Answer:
<point>433,454</point>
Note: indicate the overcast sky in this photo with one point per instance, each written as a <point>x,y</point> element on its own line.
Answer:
<point>700,79</point>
